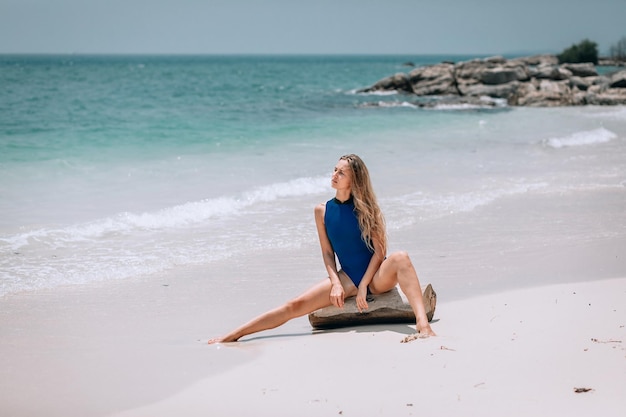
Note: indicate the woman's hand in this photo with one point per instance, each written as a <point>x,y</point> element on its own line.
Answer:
<point>337,295</point>
<point>361,298</point>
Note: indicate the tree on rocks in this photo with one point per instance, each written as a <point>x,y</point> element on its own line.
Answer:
<point>585,51</point>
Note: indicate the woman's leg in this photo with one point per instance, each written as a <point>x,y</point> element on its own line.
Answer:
<point>398,269</point>
<point>314,298</point>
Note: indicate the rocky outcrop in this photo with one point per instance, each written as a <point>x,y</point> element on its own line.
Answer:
<point>529,81</point>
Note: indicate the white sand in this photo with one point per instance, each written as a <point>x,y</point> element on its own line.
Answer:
<point>518,353</point>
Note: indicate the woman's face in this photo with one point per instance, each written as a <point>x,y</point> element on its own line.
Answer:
<point>342,176</point>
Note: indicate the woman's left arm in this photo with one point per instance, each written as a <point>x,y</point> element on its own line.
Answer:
<point>372,268</point>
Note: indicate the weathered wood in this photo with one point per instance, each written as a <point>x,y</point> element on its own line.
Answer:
<point>390,307</point>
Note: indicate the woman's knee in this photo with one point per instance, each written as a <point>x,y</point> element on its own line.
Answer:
<point>400,259</point>
<point>291,307</point>
<point>296,307</point>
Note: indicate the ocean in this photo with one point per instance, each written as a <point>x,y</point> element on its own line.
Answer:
<point>125,167</point>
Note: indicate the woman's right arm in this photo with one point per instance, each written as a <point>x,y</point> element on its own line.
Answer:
<point>328,255</point>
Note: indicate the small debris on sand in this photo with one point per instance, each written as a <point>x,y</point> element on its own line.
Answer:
<point>413,337</point>
<point>605,341</point>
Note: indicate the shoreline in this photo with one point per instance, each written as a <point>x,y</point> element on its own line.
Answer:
<point>513,332</point>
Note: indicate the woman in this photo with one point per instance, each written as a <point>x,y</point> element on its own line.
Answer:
<point>351,227</point>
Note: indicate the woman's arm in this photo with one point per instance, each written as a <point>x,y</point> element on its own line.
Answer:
<point>328,255</point>
<point>372,268</point>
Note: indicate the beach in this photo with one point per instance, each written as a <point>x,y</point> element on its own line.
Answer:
<point>502,359</point>
<point>138,348</point>
<point>145,213</point>
<point>516,353</point>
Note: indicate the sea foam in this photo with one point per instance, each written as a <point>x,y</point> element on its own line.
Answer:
<point>588,137</point>
<point>179,216</point>
<point>132,244</point>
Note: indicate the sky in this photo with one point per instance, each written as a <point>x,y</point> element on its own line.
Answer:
<point>479,27</point>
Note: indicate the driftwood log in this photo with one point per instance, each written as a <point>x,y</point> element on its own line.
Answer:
<point>390,307</point>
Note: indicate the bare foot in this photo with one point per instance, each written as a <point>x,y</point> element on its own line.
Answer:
<point>426,332</point>
<point>223,339</point>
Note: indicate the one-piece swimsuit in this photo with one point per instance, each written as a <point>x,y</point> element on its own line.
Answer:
<point>344,233</point>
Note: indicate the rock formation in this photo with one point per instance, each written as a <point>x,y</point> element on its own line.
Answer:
<point>530,81</point>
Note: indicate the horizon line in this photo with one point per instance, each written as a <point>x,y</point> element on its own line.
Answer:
<point>515,53</point>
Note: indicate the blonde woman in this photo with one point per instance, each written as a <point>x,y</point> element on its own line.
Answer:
<point>351,228</point>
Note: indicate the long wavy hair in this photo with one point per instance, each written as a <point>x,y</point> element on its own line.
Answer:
<point>371,220</point>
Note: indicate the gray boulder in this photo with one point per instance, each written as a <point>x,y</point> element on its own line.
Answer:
<point>496,91</point>
<point>491,71</point>
<point>550,72</point>
<point>500,75</point>
<point>586,69</point>
<point>433,80</point>
<point>498,59</point>
<point>618,80</point>
<point>397,82</point>
<point>579,82</point>
<point>470,72</point>
<point>545,93</point>
<point>535,60</point>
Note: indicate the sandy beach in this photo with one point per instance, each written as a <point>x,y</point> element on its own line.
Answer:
<point>528,313</point>
<point>515,353</point>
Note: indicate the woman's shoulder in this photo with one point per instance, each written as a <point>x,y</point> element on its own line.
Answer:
<point>320,209</point>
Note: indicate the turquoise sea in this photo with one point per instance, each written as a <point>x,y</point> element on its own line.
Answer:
<point>117,167</point>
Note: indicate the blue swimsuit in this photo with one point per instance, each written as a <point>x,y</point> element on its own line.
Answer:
<point>342,228</point>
